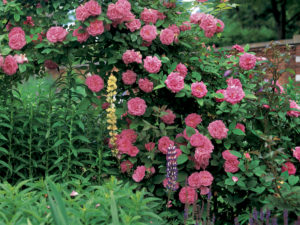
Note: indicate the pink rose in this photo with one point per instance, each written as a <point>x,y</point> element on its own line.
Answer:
<point>293,113</point>
<point>175,82</point>
<point>223,93</point>
<point>126,166</point>
<point>217,129</point>
<point>240,126</point>
<point>129,134</point>
<point>199,89</point>
<point>208,24</point>
<point>247,156</point>
<point>194,180</point>
<point>164,143</point>
<point>206,178</point>
<point>181,69</point>
<point>136,106</point>
<point>93,8</point>
<point>96,28</point>
<point>247,61</point>
<point>161,16</point>
<point>169,117</point>
<point>56,34</point>
<point>228,156</point>
<point>193,120</point>
<point>82,13</point>
<point>201,158</point>
<point>234,94</point>
<point>188,195</point>
<point>131,56</point>
<point>150,146</point>
<point>20,58</point>
<point>149,16</point>
<point>114,13</point>
<point>152,64</point>
<point>139,173</point>
<point>296,153</point>
<point>197,140</point>
<point>175,29</point>
<point>235,179</point>
<point>10,65</point>
<point>95,83</point>
<point>220,26</point>
<point>129,77</point>
<point>145,85</point>
<point>185,26</point>
<point>231,166</point>
<point>16,38</point>
<point>234,82</point>
<point>196,18</point>
<point>132,151</point>
<point>148,33</point>
<point>290,167</point>
<point>81,34</point>
<point>167,36</point>
<point>238,48</point>
<point>133,25</point>
<point>204,190</point>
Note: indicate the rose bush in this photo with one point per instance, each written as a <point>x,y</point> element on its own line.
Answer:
<point>170,90</point>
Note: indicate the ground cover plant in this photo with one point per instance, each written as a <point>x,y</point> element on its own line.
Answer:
<point>141,96</point>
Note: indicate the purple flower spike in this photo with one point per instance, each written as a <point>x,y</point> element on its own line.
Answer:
<point>236,221</point>
<point>172,168</point>
<point>251,222</point>
<point>274,221</point>
<point>262,214</point>
<point>286,217</point>
<point>255,214</point>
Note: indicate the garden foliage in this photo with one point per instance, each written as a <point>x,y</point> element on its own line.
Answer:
<point>146,62</point>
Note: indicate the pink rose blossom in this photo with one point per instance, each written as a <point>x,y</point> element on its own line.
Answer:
<point>220,26</point>
<point>169,117</point>
<point>152,64</point>
<point>247,61</point>
<point>181,69</point>
<point>208,24</point>
<point>194,180</point>
<point>139,173</point>
<point>217,129</point>
<point>228,156</point>
<point>49,64</point>
<point>234,82</point>
<point>199,89</point>
<point>129,77</point>
<point>222,91</point>
<point>175,82</point>
<point>136,106</point>
<point>95,28</point>
<point>231,166</point>
<point>145,85</point>
<point>164,143</point>
<point>150,146</point>
<point>247,156</point>
<point>160,15</point>
<point>133,25</point>
<point>206,178</point>
<point>114,13</point>
<point>235,179</point>
<point>281,89</point>
<point>234,94</point>
<point>81,34</point>
<point>16,38</point>
<point>193,120</point>
<point>149,16</point>
<point>185,26</point>
<point>201,158</point>
<point>238,48</point>
<point>204,144</point>
<point>188,195</point>
<point>290,167</point>
<point>131,56</point>
<point>196,140</point>
<point>204,190</point>
<point>126,166</point>
<point>20,58</point>
<point>148,33</point>
<point>10,65</point>
<point>128,134</point>
<point>56,34</point>
<point>196,18</point>
<point>240,126</point>
<point>29,21</point>
<point>296,153</point>
<point>93,8</point>
<point>95,83</point>
<point>81,13</point>
<point>293,113</point>
<point>167,36</point>
<point>175,29</point>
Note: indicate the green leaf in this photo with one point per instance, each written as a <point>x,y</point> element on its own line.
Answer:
<point>165,60</point>
<point>82,138</point>
<point>258,190</point>
<point>159,86</point>
<point>114,209</point>
<point>182,159</point>
<point>247,47</point>
<point>16,17</point>
<point>190,131</point>
<point>235,153</point>
<point>293,180</point>
<point>180,94</point>
<point>238,132</point>
<point>250,96</point>
<point>22,68</point>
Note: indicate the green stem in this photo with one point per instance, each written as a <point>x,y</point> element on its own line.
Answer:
<point>30,142</point>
